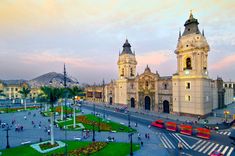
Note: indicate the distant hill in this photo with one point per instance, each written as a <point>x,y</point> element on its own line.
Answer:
<point>52,79</point>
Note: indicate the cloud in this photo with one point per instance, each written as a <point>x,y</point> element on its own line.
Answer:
<point>51,56</point>
<point>153,58</point>
<point>225,62</point>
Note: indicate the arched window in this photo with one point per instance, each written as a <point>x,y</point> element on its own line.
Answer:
<point>132,72</point>
<point>122,74</point>
<point>188,63</point>
<point>165,86</point>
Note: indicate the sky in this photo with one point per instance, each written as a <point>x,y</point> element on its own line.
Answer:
<point>39,36</point>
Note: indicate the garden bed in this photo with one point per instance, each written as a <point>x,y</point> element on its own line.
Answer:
<point>46,146</point>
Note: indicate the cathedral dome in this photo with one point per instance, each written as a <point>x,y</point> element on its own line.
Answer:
<point>126,48</point>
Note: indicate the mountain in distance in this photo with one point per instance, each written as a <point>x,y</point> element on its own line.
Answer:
<point>52,79</point>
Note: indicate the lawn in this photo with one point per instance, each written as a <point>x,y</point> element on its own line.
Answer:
<point>89,120</point>
<point>58,110</point>
<point>111,149</point>
<point>17,109</point>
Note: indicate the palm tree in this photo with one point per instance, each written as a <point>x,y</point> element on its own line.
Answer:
<point>24,93</point>
<point>73,92</point>
<point>52,94</point>
<point>1,93</point>
<point>43,100</point>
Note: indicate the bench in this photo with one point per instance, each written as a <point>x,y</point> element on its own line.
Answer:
<point>26,142</point>
<point>114,131</point>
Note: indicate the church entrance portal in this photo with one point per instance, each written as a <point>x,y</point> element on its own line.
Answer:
<point>132,103</point>
<point>110,100</point>
<point>166,108</point>
<point>147,102</point>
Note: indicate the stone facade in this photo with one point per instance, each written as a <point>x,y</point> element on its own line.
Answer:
<point>189,91</point>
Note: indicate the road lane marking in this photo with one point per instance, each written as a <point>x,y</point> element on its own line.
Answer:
<point>204,146</point>
<point>166,142</point>
<point>213,149</point>
<point>220,132</point>
<point>196,144</point>
<point>169,141</point>
<point>163,143</point>
<point>199,145</point>
<point>229,133</point>
<point>179,140</point>
<point>225,133</point>
<point>225,149</point>
<point>208,148</point>
<point>230,151</point>
<point>220,148</point>
<point>183,141</point>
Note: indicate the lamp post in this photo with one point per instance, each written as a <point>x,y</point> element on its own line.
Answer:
<point>7,135</point>
<point>103,97</point>
<point>93,108</point>
<point>129,122</point>
<point>226,113</point>
<point>99,124</point>
<point>93,131</point>
<point>131,149</point>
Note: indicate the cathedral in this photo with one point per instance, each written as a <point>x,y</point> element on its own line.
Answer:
<point>189,91</point>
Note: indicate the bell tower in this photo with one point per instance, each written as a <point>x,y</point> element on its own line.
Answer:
<point>126,74</point>
<point>191,85</point>
<point>127,62</point>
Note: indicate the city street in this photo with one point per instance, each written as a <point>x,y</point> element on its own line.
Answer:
<point>161,141</point>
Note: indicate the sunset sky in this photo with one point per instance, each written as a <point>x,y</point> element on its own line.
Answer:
<point>39,36</point>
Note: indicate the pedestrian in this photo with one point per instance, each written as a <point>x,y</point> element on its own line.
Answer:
<point>136,124</point>
<point>148,136</point>
<point>149,126</point>
<point>25,118</point>
<point>198,117</point>
<point>142,144</point>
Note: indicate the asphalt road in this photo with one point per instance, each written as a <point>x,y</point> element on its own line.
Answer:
<point>191,145</point>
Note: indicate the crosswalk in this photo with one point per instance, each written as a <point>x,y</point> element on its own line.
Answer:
<point>202,146</point>
<point>224,133</point>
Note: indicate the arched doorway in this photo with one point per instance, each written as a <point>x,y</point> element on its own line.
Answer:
<point>147,102</point>
<point>110,100</point>
<point>132,103</point>
<point>166,108</point>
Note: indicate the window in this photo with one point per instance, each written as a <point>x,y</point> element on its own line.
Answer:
<point>225,85</point>
<point>187,98</point>
<point>122,74</point>
<point>165,86</point>
<point>207,98</point>
<point>188,85</point>
<point>132,86</point>
<point>188,63</point>
<point>16,89</point>
<point>230,85</point>
<point>132,72</point>
<point>146,83</point>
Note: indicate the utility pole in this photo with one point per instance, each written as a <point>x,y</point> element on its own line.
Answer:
<point>129,122</point>
<point>131,150</point>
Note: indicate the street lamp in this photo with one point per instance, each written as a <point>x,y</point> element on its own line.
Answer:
<point>131,149</point>
<point>99,124</point>
<point>7,135</point>
<point>226,113</point>
<point>129,122</point>
<point>93,130</point>
<point>94,109</point>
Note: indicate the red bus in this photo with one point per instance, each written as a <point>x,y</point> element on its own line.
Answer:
<point>171,126</point>
<point>203,133</point>
<point>158,123</point>
<point>186,129</point>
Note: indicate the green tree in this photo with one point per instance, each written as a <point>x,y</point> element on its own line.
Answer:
<point>52,94</point>
<point>24,93</point>
<point>1,93</point>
